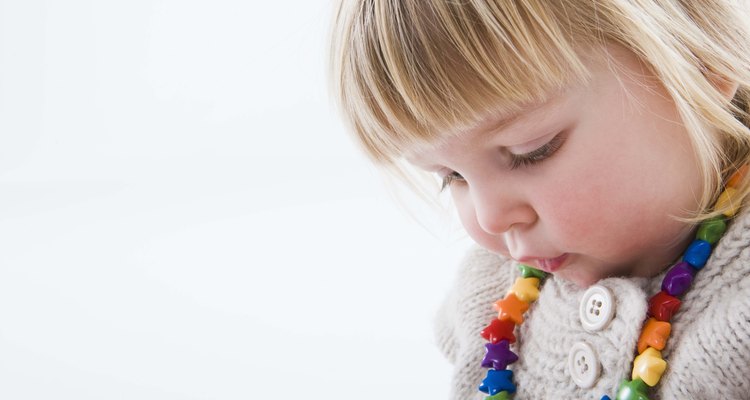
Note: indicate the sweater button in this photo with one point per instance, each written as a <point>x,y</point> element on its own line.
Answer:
<point>583,365</point>
<point>596,308</point>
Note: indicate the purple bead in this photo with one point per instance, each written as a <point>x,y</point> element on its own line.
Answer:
<point>678,279</point>
<point>697,253</point>
<point>498,355</point>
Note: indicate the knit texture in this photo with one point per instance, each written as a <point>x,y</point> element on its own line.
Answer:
<point>707,354</point>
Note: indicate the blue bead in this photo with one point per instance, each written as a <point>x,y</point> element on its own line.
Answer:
<point>697,253</point>
<point>605,397</point>
<point>498,381</point>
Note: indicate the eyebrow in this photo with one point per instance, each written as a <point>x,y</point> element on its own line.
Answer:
<point>504,122</point>
<point>530,115</point>
<point>525,113</point>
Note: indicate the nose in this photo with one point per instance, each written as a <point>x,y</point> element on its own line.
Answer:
<point>497,209</point>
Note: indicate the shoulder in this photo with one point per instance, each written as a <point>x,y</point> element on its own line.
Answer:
<point>709,347</point>
<point>480,270</point>
<point>710,342</point>
<point>482,277</point>
<point>727,272</point>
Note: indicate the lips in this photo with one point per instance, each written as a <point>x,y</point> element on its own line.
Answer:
<point>546,264</point>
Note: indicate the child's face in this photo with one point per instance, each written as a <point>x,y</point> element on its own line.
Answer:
<point>606,166</point>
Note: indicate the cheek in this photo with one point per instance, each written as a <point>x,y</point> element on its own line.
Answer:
<point>586,202</point>
<point>612,209</point>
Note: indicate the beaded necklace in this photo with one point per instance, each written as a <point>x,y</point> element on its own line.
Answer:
<point>648,365</point>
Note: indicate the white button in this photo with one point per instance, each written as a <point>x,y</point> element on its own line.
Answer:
<point>597,308</point>
<point>583,364</point>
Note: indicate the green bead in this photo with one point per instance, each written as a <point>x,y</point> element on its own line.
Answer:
<point>529,272</point>
<point>712,230</point>
<point>632,390</point>
<point>499,396</point>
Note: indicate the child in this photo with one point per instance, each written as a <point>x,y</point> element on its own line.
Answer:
<point>595,151</point>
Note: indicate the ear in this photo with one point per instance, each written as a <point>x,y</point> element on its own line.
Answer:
<point>726,87</point>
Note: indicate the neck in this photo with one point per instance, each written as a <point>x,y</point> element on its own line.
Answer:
<point>669,254</point>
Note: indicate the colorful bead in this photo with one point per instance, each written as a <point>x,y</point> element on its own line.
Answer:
<point>499,396</point>
<point>498,355</point>
<point>662,306</point>
<point>632,390</point>
<point>526,289</point>
<point>655,334</point>
<point>530,272</point>
<point>712,230</point>
<point>737,177</point>
<point>499,330</point>
<point>649,366</point>
<point>728,200</point>
<point>697,253</point>
<point>511,308</point>
<point>498,381</point>
<point>678,279</point>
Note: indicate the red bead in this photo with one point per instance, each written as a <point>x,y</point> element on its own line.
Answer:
<point>498,330</point>
<point>662,306</point>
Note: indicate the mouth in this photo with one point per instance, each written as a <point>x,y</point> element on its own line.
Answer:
<point>550,265</point>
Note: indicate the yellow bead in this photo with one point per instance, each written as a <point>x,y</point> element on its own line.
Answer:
<point>649,366</point>
<point>526,289</point>
<point>727,199</point>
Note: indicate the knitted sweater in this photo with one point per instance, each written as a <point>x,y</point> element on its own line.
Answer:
<point>707,354</point>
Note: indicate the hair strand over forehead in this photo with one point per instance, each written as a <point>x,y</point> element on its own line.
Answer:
<point>408,73</point>
<point>416,69</point>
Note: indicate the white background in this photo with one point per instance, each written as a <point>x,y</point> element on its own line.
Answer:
<point>182,215</point>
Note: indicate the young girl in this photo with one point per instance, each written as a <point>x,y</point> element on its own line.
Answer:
<point>595,151</point>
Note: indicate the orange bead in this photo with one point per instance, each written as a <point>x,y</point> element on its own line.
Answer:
<point>655,334</point>
<point>511,308</point>
<point>737,177</point>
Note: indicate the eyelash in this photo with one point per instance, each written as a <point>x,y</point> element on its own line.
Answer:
<point>518,160</point>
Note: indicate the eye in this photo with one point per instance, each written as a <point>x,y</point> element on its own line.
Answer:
<point>516,160</point>
<point>533,157</point>
<point>450,178</point>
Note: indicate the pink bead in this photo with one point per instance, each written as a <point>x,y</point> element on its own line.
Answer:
<point>678,279</point>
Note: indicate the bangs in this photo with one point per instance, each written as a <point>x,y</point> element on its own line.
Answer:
<point>409,72</point>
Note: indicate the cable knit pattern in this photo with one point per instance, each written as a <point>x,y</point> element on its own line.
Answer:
<point>545,355</point>
<point>708,352</point>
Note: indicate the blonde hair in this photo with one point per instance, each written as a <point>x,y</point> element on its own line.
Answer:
<point>406,72</point>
